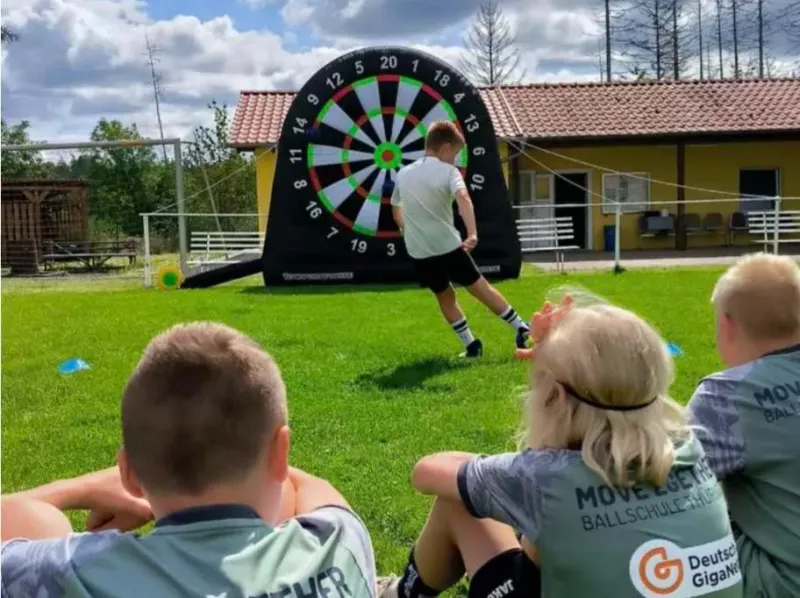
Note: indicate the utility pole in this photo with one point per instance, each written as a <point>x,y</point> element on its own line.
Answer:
<point>700,35</point>
<point>608,41</point>
<point>152,52</point>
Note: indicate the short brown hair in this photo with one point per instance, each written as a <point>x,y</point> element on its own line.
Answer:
<point>442,132</point>
<point>761,292</point>
<point>199,408</point>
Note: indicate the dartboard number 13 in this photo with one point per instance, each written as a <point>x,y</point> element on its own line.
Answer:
<point>356,123</point>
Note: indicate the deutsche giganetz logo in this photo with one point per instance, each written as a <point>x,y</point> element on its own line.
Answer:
<point>657,569</point>
<point>661,569</point>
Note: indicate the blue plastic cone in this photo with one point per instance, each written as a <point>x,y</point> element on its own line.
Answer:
<point>70,366</point>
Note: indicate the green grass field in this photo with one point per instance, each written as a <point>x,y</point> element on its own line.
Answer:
<point>373,381</point>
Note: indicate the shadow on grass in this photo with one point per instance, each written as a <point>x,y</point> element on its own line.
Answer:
<point>332,289</point>
<point>412,376</point>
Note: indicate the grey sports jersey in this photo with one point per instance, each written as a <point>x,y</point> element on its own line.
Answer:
<point>749,426</point>
<point>208,552</point>
<point>600,541</point>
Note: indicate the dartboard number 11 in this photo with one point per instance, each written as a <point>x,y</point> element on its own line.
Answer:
<point>364,118</point>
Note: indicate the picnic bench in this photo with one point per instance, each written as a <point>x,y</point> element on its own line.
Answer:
<point>92,254</point>
<point>547,234</point>
<point>223,247</point>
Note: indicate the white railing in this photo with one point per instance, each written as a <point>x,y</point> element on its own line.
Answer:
<point>774,228</point>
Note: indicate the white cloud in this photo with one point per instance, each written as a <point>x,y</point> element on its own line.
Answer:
<point>80,60</point>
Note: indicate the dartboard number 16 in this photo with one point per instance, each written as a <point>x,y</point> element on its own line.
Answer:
<point>358,122</point>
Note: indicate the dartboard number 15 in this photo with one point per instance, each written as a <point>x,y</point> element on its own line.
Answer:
<point>353,101</point>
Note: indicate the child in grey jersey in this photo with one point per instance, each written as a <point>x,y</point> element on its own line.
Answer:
<point>611,493</point>
<point>749,418</point>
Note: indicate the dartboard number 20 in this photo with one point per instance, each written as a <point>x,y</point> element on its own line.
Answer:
<point>356,123</point>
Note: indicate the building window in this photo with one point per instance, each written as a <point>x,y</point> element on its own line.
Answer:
<point>755,183</point>
<point>631,191</point>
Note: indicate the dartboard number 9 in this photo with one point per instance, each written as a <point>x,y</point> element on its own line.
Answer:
<point>356,123</point>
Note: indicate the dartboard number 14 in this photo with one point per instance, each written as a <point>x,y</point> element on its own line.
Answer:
<point>362,120</point>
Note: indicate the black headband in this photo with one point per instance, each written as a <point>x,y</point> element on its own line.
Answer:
<point>598,405</point>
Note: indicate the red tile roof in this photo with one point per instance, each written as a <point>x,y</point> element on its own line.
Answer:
<point>589,110</point>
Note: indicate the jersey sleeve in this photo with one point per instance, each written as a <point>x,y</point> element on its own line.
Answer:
<point>510,487</point>
<point>38,568</point>
<point>456,182</point>
<point>326,522</point>
<point>716,423</point>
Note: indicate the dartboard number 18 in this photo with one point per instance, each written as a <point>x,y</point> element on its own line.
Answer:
<point>356,123</point>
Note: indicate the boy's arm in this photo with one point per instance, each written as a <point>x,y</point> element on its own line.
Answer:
<point>100,491</point>
<point>312,493</point>
<point>397,214</point>
<point>438,474</point>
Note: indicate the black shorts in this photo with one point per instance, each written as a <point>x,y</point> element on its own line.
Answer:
<point>437,272</point>
<point>510,574</point>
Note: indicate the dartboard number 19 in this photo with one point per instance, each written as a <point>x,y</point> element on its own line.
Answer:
<point>356,123</point>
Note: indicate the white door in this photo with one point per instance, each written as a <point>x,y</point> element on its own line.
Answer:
<point>536,205</point>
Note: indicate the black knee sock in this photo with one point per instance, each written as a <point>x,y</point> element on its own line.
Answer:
<point>411,584</point>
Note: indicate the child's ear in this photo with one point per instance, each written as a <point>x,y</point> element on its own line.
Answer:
<point>558,394</point>
<point>127,477</point>
<point>278,452</point>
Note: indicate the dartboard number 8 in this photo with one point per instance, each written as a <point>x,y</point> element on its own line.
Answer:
<point>359,120</point>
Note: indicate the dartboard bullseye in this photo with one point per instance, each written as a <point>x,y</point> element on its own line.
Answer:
<point>349,130</point>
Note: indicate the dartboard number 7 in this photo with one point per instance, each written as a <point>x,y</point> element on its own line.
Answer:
<point>358,122</point>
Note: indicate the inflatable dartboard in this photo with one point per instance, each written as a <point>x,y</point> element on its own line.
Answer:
<point>349,130</point>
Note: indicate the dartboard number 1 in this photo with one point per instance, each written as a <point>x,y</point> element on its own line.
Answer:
<point>359,246</point>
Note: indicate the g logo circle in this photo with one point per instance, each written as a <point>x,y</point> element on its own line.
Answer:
<point>657,569</point>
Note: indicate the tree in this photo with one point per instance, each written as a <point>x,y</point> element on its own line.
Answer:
<point>20,163</point>
<point>218,178</point>
<point>126,181</point>
<point>492,56</point>
<point>7,35</point>
<point>656,36</point>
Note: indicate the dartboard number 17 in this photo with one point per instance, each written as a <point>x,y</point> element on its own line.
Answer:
<point>356,123</point>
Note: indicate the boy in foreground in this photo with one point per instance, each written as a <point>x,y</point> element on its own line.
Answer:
<point>749,418</point>
<point>206,450</point>
<point>422,205</point>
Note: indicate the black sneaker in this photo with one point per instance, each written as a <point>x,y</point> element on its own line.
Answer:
<point>475,349</point>
<point>523,338</point>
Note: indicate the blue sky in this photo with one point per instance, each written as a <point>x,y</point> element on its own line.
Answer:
<point>81,60</point>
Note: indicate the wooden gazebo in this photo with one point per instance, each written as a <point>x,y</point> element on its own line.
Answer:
<point>38,212</point>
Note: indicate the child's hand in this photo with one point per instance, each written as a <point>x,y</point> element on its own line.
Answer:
<point>543,321</point>
<point>470,243</point>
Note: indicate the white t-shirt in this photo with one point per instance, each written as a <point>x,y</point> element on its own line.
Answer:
<point>425,191</point>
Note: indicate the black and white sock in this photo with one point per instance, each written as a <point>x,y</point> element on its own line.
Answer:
<point>411,584</point>
<point>461,328</point>
<point>511,317</point>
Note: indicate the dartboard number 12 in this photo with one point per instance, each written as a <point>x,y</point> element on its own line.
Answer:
<point>359,121</point>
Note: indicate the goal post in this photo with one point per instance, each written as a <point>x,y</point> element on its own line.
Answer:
<point>128,143</point>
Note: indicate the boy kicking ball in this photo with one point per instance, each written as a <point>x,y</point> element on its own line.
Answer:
<point>422,207</point>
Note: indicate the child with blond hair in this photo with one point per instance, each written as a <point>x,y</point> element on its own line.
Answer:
<point>610,493</point>
<point>748,418</point>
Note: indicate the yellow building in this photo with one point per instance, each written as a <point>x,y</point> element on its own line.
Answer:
<point>702,150</point>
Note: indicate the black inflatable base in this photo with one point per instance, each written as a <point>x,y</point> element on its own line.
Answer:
<point>224,274</point>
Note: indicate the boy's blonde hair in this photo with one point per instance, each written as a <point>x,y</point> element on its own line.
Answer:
<point>199,409</point>
<point>442,132</point>
<point>762,294</point>
<point>612,357</point>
